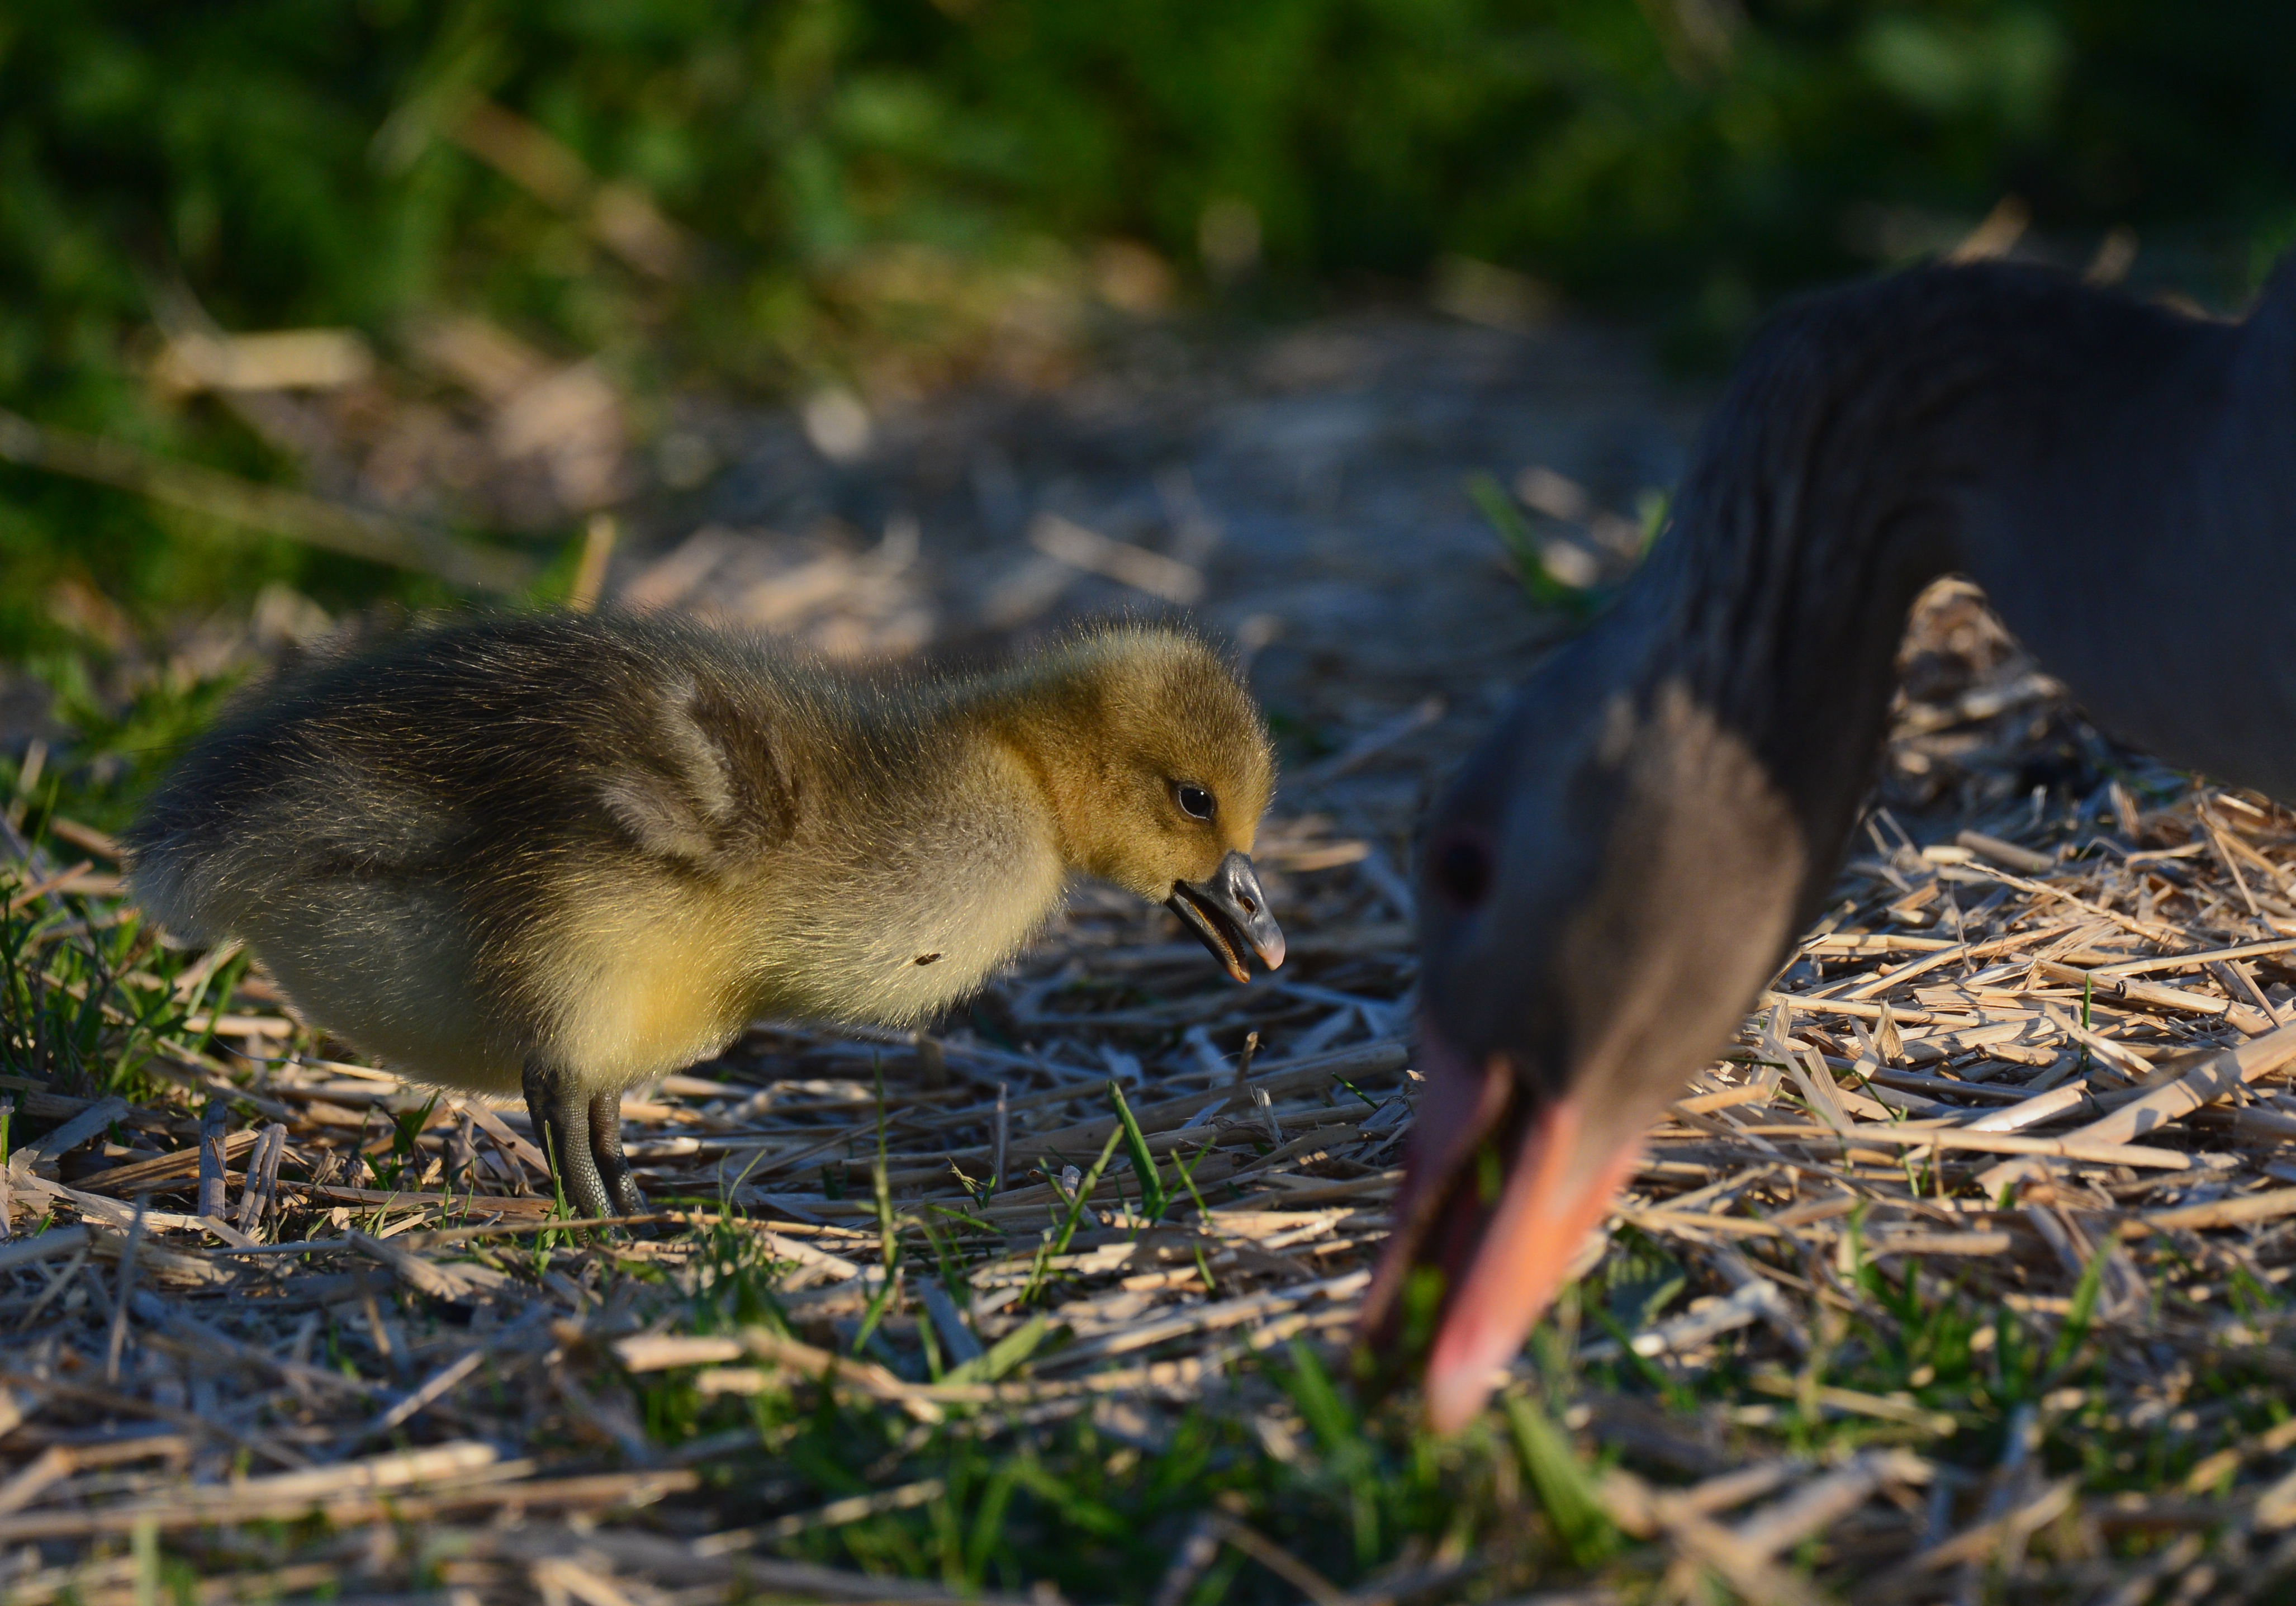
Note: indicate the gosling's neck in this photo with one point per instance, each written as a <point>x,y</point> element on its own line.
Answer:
<point>1042,719</point>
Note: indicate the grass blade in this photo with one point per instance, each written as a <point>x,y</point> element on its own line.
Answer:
<point>1154,1198</point>
<point>1514,535</point>
<point>2082,1308</point>
<point>1002,1356</point>
<point>1564,1485</point>
<point>1084,1192</point>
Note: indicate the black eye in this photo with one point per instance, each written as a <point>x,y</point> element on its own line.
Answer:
<point>1194,800</point>
<point>1461,867</point>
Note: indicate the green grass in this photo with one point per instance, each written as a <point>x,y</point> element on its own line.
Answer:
<point>1101,1516</point>
<point>288,167</point>
<point>1353,1495</point>
<point>85,1004</point>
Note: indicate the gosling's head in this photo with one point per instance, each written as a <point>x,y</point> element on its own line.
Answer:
<point>1159,768</point>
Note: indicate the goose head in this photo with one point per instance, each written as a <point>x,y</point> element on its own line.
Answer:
<point>1600,889</point>
<point>1159,768</point>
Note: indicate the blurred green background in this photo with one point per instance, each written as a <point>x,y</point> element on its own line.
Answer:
<point>761,198</point>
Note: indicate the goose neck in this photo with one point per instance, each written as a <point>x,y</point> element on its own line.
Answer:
<point>1998,422</point>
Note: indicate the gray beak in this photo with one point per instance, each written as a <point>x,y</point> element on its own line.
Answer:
<point>1229,912</point>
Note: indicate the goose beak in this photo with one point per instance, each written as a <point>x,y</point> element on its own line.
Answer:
<point>1501,1187</point>
<point>1228,911</point>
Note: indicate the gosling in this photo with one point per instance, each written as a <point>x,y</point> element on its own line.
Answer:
<point>566,855</point>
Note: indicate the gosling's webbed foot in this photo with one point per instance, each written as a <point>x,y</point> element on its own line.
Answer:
<point>606,1148</point>
<point>563,1121</point>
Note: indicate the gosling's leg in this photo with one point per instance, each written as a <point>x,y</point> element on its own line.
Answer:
<point>606,1148</point>
<point>561,1128</point>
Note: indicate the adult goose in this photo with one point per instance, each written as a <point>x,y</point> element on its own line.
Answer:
<point>564,855</point>
<point>1612,876</point>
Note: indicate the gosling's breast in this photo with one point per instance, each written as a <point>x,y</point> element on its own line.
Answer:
<point>897,931</point>
<point>642,979</point>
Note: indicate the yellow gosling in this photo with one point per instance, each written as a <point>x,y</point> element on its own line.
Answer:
<point>568,855</point>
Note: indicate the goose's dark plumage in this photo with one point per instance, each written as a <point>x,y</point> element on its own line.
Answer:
<point>564,855</point>
<point>1617,869</point>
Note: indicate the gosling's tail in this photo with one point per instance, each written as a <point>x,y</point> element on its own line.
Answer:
<point>192,865</point>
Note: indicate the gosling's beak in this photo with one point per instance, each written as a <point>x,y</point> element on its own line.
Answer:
<point>1229,912</point>
<point>1501,1187</point>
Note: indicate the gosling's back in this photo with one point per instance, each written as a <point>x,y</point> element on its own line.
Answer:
<point>550,835</point>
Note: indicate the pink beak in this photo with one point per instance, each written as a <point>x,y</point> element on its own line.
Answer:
<point>1502,1260</point>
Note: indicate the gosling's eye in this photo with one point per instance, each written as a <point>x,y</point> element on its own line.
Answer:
<point>1194,801</point>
